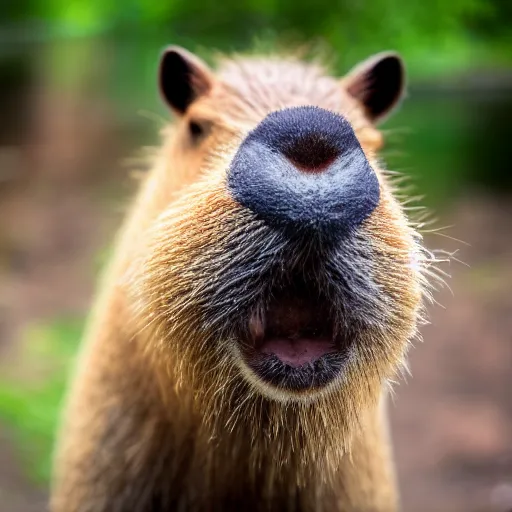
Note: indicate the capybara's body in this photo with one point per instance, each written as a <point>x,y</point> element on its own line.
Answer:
<point>263,292</point>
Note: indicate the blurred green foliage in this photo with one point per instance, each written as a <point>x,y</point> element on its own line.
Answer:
<point>435,36</point>
<point>31,392</point>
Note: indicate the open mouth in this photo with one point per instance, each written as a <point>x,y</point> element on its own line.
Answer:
<point>293,343</point>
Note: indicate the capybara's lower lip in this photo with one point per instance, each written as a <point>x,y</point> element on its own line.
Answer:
<point>311,375</point>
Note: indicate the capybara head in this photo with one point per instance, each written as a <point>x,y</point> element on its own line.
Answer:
<point>281,280</point>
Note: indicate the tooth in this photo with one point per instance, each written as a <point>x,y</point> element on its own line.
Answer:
<point>257,324</point>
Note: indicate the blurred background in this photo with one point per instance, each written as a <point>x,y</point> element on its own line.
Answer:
<point>78,96</point>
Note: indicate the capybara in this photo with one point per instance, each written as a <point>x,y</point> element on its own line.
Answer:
<point>262,295</point>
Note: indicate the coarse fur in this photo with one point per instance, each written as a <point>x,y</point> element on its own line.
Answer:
<point>164,414</point>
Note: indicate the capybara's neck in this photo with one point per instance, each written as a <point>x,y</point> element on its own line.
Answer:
<point>259,457</point>
<point>240,471</point>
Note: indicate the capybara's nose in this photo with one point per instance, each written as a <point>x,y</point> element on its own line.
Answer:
<point>303,167</point>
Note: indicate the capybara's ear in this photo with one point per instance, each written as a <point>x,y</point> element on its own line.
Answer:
<point>378,83</point>
<point>183,77</point>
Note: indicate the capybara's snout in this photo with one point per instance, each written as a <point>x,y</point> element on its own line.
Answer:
<point>303,168</point>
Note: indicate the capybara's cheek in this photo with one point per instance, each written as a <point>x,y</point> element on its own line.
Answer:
<point>400,262</point>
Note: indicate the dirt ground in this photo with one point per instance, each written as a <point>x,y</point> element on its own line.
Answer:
<point>451,420</point>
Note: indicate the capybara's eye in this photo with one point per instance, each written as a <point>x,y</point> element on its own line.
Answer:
<point>197,130</point>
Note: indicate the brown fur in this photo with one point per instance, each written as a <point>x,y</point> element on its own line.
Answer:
<point>162,414</point>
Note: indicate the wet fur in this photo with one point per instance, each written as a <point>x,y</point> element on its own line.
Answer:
<point>163,414</point>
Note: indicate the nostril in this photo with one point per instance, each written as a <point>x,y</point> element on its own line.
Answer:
<point>311,152</point>
<point>309,137</point>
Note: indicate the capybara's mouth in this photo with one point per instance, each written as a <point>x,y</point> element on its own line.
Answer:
<point>293,343</point>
